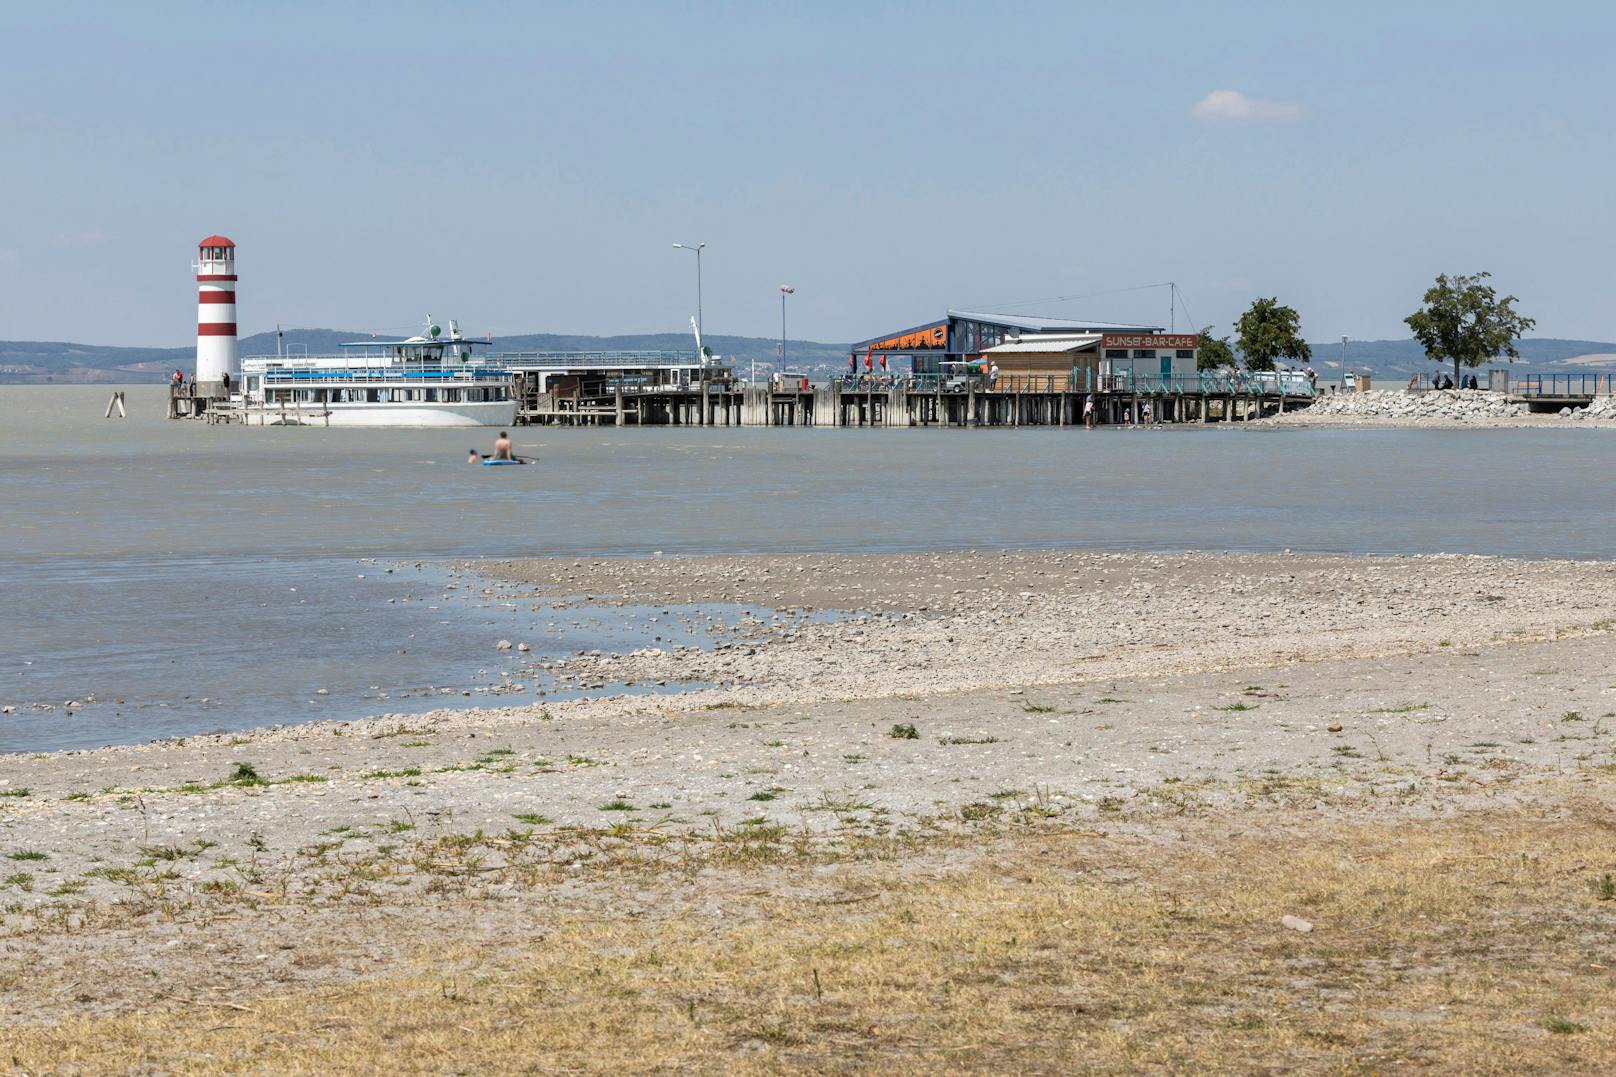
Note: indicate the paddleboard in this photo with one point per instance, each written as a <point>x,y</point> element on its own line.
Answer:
<point>501,463</point>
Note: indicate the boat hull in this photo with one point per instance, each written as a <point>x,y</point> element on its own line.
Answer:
<point>470,414</point>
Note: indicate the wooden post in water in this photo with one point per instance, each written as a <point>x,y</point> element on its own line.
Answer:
<point>116,402</point>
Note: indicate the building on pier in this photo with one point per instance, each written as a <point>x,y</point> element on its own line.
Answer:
<point>1090,362</point>
<point>590,372</point>
<point>962,336</point>
<point>578,384</point>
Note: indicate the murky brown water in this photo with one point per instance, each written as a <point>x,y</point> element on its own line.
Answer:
<point>143,548</point>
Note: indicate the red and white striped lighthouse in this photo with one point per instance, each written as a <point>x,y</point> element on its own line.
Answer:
<point>216,352</point>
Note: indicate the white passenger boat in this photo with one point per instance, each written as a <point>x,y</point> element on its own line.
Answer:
<point>430,380</point>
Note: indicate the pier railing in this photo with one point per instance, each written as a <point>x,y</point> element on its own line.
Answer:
<point>1566,385</point>
<point>1202,383</point>
<point>608,360</point>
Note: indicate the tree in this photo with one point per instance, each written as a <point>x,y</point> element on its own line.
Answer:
<point>1212,352</point>
<point>1268,331</point>
<point>1464,320</point>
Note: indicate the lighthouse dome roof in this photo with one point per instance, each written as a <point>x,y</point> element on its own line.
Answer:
<point>217,241</point>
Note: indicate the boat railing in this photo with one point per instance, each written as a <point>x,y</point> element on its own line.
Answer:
<point>392,372</point>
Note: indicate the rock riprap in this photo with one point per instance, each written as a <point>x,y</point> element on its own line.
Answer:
<point>1452,405</point>
<point>1603,409</point>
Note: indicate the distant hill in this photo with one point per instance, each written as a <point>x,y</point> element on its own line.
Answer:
<point>36,362</point>
<point>1400,358</point>
<point>60,362</point>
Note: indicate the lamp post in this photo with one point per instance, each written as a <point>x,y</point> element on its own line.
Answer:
<point>697,248</point>
<point>1344,362</point>
<point>700,352</point>
<point>785,290</point>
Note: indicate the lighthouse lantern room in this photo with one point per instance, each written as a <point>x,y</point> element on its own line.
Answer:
<point>216,350</point>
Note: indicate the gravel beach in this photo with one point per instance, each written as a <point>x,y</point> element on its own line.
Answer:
<point>924,701</point>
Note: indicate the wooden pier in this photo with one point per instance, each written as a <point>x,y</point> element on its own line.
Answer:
<point>193,400</point>
<point>875,402</point>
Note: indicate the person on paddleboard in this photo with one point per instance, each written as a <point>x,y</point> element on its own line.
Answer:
<point>502,446</point>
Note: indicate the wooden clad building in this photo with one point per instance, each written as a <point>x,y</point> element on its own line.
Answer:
<point>1086,362</point>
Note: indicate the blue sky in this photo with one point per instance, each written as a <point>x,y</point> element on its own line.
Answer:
<point>527,167</point>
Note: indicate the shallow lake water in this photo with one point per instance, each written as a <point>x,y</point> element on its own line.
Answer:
<point>144,551</point>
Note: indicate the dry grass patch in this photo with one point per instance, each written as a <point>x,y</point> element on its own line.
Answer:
<point>1473,945</point>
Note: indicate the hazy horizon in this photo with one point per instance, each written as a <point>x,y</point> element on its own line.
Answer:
<point>528,170</point>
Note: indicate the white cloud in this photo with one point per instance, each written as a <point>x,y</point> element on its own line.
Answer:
<point>1234,105</point>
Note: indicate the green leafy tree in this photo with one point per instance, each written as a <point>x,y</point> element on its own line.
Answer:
<point>1464,321</point>
<point>1212,352</point>
<point>1268,331</point>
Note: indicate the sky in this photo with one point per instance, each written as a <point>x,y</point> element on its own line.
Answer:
<point>527,167</point>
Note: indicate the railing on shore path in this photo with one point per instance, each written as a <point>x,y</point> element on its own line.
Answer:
<point>1565,385</point>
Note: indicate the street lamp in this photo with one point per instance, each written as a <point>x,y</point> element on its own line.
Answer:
<point>701,352</point>
<point>785,290</point>
<point>697,248</point>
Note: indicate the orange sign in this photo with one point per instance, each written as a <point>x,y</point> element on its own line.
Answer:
<point>1172,341</point>
<point>932,336</point>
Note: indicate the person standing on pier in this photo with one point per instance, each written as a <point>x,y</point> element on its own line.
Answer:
<point>1088,411</point>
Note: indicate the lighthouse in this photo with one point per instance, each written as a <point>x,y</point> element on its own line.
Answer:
<point>216,352</point>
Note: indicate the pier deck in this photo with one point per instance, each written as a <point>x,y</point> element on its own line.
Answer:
<point>875,402</point>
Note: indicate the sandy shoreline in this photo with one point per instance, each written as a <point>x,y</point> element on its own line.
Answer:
<point>954,696</point>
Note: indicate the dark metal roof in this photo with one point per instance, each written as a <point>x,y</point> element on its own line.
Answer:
<point>1034,324</point>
